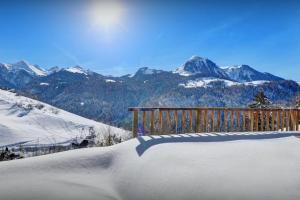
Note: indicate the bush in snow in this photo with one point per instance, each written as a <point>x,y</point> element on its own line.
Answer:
<point>39,106</point>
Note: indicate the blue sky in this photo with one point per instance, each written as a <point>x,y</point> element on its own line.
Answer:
<point>262,34</point>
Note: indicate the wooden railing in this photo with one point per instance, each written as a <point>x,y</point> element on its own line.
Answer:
<point>149,121</point>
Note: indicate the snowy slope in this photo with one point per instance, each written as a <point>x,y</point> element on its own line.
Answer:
<point>208,82</point>
<point>23,119</point>
<point>247,167</point>
<point>244,73</point>
<point>23,65</point>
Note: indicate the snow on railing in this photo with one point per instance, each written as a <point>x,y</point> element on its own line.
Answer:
<point>164,120</point>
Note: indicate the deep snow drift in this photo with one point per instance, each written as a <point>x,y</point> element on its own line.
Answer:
<point>24,120</point>
<point>256,166</point>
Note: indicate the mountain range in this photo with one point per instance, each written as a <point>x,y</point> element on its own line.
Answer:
<point>197,82</point>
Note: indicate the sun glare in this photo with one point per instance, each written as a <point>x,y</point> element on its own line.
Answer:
<point>106,14</point>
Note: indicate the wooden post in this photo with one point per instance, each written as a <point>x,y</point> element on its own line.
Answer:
<point>268,120</point>
<point>297,120</point>
<point>161,121</point>
<point>251,114</point>
<point>152,122</point>
<point>278,114</point>
<point>213,121</point>
<point>262,120</point>
<point>244,120</point>
<point>273,121</point>
<point>225,120</point>
<point>198,120</point>
<point>283,120</point>
<point>183,121</point>
<point>205,120</point>
<point>144,121</point>
<point>287,120</point>
<point>231,120</point>
<point>257,120</point>
<point>219,120</point>
<point>135,123</point>
<point>191,120</point>
<point>168,120</point>
<point>176,120</point>
<point>238,115</point>
<point>292,120</point>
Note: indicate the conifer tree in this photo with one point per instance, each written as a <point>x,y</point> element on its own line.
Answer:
<point>260,100</point>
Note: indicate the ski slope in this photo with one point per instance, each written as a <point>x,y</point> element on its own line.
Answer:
<point>24,120</point>
<point>256,166</point>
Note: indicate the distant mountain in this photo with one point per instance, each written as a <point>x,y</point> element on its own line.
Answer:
<point>201,67</point>
<point>19,74</point>
<point>244,73</point>
<point>198,82</point>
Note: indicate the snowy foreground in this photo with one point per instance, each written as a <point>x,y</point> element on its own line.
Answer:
<point>29,122</point>
<point>254,166</point>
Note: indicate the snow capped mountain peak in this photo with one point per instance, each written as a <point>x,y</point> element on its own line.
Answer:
<point>76,69</point>
<point>200,66</point>
<point>245,73</point>
<point>24,65</point>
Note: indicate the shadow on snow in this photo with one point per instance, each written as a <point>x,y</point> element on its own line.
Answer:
<point>148,141</point>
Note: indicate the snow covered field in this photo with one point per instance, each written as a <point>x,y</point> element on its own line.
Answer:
<point>27,121</point>
<point>258,166</point>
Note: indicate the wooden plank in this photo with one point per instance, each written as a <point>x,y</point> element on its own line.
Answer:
<point>168,120</point>
<point>198,120</point>
<point>297,120</point>
<point>257,120</point>
<point>262,120</point>
<point>183,121</point>
<point>190,120</point>
<point>231,120</point>
<point>273,121</point>
<point>244,121</point>
<point>278,114</point>
<point>292,128</point>
<point>268,121</point>
<point>283,121</point>
<point>287,120</point>
<point>225,121</point>
<point>205,120</point>
<point>161,121</point>
<point>144,121</point>
<point>238,116</point>
<point>219,121</point>
<point>176,120</point>
<point>213,123</point>
<point>135,123</point>
<point>152,122</point>
<point>251,115</point>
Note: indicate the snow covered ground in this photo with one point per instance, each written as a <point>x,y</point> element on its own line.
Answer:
<point>258,166</point>
<point>24,120</point>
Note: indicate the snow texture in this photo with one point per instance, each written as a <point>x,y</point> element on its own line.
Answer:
<point>24,65</point>
<point>109,81</point>
<point>26,120</point>
<point>260,166</point>
<point>78,70</point>
<point>207,82</point>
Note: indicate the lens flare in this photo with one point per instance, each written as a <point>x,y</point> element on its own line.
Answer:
<point>106,14</point>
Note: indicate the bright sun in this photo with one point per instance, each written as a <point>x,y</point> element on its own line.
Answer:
<point>106,14</point>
